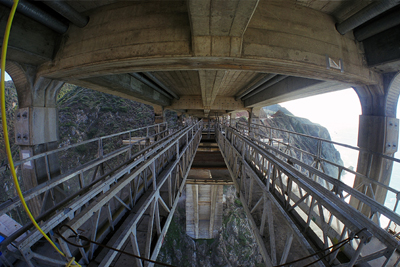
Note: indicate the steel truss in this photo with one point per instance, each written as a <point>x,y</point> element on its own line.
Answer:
<point>135,200</point>
<point>272,187</point>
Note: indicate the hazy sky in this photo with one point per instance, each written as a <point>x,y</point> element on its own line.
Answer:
<point>8,77</point>
<point>338,111</point>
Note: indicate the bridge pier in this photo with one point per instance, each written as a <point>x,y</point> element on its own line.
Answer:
<point>36,129</point>
<point>254,117</point>
<point>378,133</point>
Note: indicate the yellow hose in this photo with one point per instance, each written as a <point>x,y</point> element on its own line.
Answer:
<point>4,121</point>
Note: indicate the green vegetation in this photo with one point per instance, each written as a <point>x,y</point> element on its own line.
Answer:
<point>238,202</point>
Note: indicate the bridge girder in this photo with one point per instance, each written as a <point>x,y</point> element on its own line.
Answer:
<point>224,44</point>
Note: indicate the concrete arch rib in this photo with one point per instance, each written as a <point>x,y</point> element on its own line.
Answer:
<point>22,81</point>
<point>33,90</point>
<point>372,99</point>
<point>392,96</point>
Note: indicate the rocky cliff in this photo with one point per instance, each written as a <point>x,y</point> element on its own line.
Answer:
<point>234,246</point>
<point>278,117</point>
<point>83,114</point>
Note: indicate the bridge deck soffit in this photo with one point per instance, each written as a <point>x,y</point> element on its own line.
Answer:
<point>207,48</point>
<point>280,38</point>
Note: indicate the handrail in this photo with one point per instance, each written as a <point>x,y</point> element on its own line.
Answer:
<point>366,180</point>
<point>63,148</point>
<point>390,214</point>
<point>324,140</point>
<point>29,194</point>
<point>73,202</point>
<point>266,166</point>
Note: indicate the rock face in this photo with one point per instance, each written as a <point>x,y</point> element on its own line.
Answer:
<point>278,117</point>
<point>6,183</point>
<point>85,114</point>
<point>11,100</point>
<point>234,245</point>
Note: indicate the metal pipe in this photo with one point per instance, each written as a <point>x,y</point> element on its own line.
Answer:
<point>260,82</point>
<point>35,13</point>
<point>157,81</point>
<point>68,12</point>
<point>387,22</point>
<point>265,86</point>
<point>365,15</point>
<point>148,83</point>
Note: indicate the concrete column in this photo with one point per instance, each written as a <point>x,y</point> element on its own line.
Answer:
<point>180,120</point>
<point>158,114</point>
<point>36,128</point>
<point>378,134</point>
<point>254,117</point>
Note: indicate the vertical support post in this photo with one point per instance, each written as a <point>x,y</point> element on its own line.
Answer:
<point>378,134</point>
<point>195,189</point>
<point>213,204</point>
<point>135,247</point>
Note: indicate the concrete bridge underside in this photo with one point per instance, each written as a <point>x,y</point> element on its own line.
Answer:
<point>207,58</point>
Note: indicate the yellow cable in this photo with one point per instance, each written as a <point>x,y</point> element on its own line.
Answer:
<point>4,121</point>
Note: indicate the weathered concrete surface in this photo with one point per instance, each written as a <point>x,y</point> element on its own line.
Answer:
<point>203,210</point>
<point>204,48</point>
<point>157,36</point>
<point>209,49</point>
<point>292,88</point>
<point>30,42</point>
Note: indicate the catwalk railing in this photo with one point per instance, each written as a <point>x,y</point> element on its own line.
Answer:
<point>273,183</point>
<point>284,144</point>
<point>153,165</point>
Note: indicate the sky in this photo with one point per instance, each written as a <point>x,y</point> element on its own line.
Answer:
<point>8,77</point>
<point>337,111</point>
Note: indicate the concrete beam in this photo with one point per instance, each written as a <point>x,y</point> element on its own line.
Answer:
<point>196,103</point>
<point>292,88</point>
<point>30,42</point>
<point>281,38</point>
<point>210,83</point>
<point>220,18</point>
<point>382,50</point>
<point>218,26</point>
<point>200,113</point>
<point>127,85</point>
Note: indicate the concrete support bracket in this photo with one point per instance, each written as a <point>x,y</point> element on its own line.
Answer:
<point>391,135</point>
<point>36,125</point>
<point>379,134</point>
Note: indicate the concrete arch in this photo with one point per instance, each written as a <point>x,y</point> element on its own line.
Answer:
<point>392,96</point>
<point>32,90</point>
<point>22,81</point>
<point>380,100</point>
<point>372,99</point>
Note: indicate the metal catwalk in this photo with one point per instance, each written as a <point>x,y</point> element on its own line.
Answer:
<point>125,195</point>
